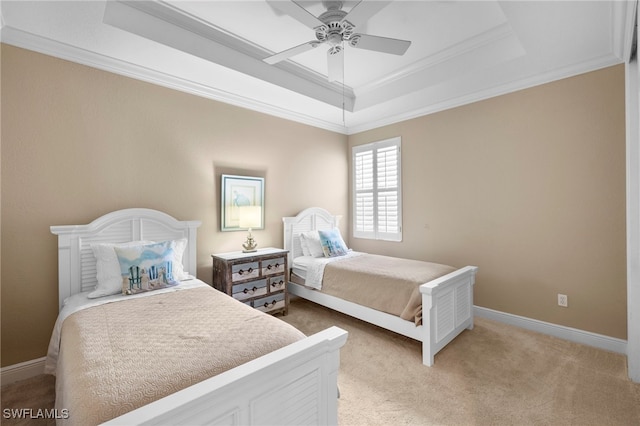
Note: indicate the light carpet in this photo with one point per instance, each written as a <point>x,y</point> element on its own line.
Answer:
<point>495,374</point>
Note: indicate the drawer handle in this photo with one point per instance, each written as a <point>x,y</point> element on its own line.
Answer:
<point>240,272</point>
<point>269,305</point>
<point>277,265</point>
<point>278,284</point>
<point>250,291</point>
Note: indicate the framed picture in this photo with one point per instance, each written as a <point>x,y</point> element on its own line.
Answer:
<point>242,203</point>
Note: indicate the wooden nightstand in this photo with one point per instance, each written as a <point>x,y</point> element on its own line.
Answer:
<point>258,279</point>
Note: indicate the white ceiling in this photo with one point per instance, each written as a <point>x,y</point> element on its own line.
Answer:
<point>461,51</point>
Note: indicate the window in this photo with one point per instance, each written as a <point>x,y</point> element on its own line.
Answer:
<point>377,195</point>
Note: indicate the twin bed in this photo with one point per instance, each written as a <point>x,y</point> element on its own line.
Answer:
<point>188,354</point>
<point>428,302</point>
<point>185,354</point>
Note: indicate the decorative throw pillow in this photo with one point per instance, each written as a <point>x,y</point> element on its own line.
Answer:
<point>332,243</point>
<point>108,268</point>
<point>146,268</point>
<point>312,240</point>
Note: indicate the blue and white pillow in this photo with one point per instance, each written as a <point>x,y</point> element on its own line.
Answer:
<point>332,243</point>
<point>109,279</point>
<point>146,267</point>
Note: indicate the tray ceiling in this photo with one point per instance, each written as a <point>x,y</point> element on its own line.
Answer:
<point>461,52</point>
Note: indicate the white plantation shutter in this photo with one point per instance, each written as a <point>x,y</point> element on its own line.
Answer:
<point>377,211</point>
<point>363,184</point>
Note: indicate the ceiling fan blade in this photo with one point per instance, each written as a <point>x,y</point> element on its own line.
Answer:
<point>297,12</point>
<point>364,10</point>
<point>380,44</point>
<point>286,54</point>
<point>335,63</point>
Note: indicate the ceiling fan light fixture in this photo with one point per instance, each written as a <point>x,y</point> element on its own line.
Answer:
<point>332,31</point>
<point>333,28</point>
<point>353,41</point>
<point>334,50</point>
<point>322,32</point>
<point>347,29</point>
<point>334,39</point>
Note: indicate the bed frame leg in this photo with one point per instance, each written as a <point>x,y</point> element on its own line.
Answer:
<point>427,355</point>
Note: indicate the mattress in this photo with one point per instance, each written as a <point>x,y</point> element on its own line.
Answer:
<point>301,264</point>
<point>311,269</point>
<point>116,357</point>
<point>387,284</point>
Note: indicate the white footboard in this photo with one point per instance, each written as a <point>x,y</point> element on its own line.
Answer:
<point>447,309</point>
<point>295,385</point>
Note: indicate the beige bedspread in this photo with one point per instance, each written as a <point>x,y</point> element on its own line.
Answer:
<point>119,356</point>
<point>387,284</point>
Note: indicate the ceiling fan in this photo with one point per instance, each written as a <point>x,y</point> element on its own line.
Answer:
<point>334,27</point>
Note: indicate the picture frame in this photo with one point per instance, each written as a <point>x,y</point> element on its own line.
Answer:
<point>240,191</point>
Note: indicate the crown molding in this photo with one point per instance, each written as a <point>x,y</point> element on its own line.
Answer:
<point>171,14</point>
<point>173,27</point>
<point>67,52</point>
<point>50,47</point>
<point>623,22</point>
<point>487,93</point>
<point>488,37</point>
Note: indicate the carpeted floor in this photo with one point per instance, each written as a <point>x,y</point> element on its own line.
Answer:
<point>494,374</point>
<point>34,393</point>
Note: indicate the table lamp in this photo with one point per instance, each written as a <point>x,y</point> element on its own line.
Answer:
<point>250,217</point>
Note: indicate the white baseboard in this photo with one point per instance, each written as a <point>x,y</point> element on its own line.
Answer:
<point>600,341</point>
<point>22,371</point>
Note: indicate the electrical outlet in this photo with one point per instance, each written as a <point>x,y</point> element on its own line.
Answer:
<point>563,300</point>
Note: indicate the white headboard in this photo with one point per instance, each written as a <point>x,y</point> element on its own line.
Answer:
<point>76,263</point>
<point>311,219</point>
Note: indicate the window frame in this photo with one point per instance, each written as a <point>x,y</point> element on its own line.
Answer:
<point>374,147</point>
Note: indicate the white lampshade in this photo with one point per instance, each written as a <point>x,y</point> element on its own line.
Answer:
<point>250,216</point>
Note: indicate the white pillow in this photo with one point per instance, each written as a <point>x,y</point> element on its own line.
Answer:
<point>312,240</point>
<point>108,268</point>
<point>303,246</point>
<point>178,268</point>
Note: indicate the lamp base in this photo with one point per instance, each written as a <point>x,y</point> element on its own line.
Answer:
<point>250,245</point>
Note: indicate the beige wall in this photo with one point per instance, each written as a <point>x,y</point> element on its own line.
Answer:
<point>527,186</point>
<point>78,142</point>
<point>530,187</point>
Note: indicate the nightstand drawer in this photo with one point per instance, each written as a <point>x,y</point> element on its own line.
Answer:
<point>245,271</point>
<point>266,304</point>
<point>250,289</point>
<point>273,266</point>
<point>277,283</point>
